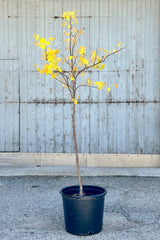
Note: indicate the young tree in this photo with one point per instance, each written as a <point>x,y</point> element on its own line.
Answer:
<point>67,68</point>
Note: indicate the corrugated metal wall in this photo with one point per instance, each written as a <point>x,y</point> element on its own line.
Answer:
<point>35,112</point>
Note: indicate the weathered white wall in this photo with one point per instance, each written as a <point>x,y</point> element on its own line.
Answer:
<point>125,121</point>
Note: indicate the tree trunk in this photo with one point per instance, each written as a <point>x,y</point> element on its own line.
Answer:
<point>76,151</point>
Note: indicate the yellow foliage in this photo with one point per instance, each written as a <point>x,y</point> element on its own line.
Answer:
<point>85,61</point>
<point>82,74</point>
<point>99,84</point>
<point>82,50</point>
<point>74,100</point>
<point>64,24</point>
<point>89,82</point>
<point>47,69</point>
<point>119,44</point>
<point>68,16</point>
<point>51,39</point>
<point>54,75</point>
<point>42,46</point>
<point>102,66</point>
<point>98,59</point>
<point>96,66</point>
<point>42,40</point>
<point>80,31</point>
<point>75,58</point>
<point>37,37</point>
<point>36,43</point>
<point>63,85</point>
<point>93,56</point>
<point>59,69</point>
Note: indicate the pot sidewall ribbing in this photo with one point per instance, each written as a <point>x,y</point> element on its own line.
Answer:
<point>83,215</point>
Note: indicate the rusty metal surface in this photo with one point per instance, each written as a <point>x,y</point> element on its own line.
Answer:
<point>125,121</point>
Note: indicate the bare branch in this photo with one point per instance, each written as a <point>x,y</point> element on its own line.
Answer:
<point>83,85</point>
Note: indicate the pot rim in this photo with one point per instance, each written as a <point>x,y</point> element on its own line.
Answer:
<point>83,197</point>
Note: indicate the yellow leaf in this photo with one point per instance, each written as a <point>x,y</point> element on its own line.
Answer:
<point>98,59</point>
<point>119,44</point>
<point>105,51</point>
<point>85,61</point>
<point>64,24</point>
<point>105,84</point>
<point>42,46</point>
<point>99,84</point>
<point>36,43</point>
<point>64,15</point>
<point>96,66</point>
<point>89,82</point>
<point>114,50</point>
<point>42,40</point>
<point>51,39</point>
<point>82,74</point>
<point>58,59</point>
<point>59,69</point>
<point>82,50</point>
<point>108,89</point>
<point>80,31</point>
<point>54,75</point>
<point>63,85</point>
<point>72,78</point>
<point>115,85</point>
<point>75,101</point>
<point>37,37</point>
<point>102,66</point>
<point>93,53</point>
<point>70,57</point>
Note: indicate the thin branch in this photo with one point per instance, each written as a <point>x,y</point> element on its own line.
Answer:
<point>95,64</point>
<point>83,85</point>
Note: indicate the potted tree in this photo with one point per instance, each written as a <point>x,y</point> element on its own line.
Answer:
<point>83,204</point>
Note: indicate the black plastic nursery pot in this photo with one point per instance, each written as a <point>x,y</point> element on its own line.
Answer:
<point>83,215</point>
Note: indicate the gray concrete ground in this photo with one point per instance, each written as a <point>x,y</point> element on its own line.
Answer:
<point>31,208</point>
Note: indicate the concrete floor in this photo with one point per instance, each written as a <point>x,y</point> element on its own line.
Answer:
<point>31,208</point>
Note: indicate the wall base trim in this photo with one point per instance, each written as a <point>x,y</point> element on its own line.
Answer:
<point>86,160</point>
